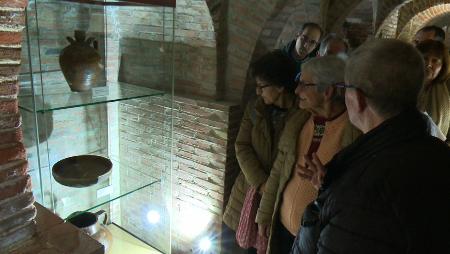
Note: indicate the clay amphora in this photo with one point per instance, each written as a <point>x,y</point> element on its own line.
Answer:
<point>81,63</point>
<point>88,222</point>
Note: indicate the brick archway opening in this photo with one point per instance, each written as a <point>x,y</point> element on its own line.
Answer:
<point>421,19</point>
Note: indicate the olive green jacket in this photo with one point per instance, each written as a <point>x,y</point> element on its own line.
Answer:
<point>282,170</point>
<point>255,153</point>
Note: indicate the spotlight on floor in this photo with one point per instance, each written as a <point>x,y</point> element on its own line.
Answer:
<point>205,244</point>
<point>153,217</point>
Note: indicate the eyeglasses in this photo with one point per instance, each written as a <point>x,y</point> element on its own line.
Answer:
<point>348,86</point>
<point>305,39</point>
<point>303,84</point>
<point>261,87</point>
<point>343,85</point>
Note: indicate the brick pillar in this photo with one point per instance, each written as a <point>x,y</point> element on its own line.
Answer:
<point>17,211</point>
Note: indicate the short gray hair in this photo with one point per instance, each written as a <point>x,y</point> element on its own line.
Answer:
<point>389,73</point>
<point>326,71</point>
<point>327,39</point>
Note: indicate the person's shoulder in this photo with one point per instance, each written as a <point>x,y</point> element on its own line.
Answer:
<point>433,146</point>
<point>427,154</point>
<point>447,83</point>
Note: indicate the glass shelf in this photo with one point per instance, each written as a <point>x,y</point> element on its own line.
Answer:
<point>122,182</point>
<point>113,91</point>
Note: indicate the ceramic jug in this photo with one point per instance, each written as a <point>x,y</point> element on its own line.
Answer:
<point>88,222</point>
<point>81,63</point>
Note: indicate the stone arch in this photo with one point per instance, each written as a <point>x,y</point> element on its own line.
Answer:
<point>421,19</point>
<point>244,22</point>
<point>402,14</point>
<point>388,28</point>
<point>308,11</point>
<point>215,9</point>
<point>413,8</point>
<point>279,29</point>
<point>383,9</point>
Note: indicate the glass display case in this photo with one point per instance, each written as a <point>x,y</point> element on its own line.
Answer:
<point>97,79</point>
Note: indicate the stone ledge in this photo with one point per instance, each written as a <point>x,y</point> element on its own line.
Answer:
<point>15,186</point>
<point>55,236</point>
<point>9,88</point>
<point>8,38</point>
<point>15,204</point>
<point>11,136</point>
<point>11,152</point>
<point>10,121</point>
<point>14,170</point>
<point>9,107</point>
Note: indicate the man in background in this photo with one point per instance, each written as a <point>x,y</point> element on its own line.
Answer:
<point>305,44</point>
<point>333,44</point>
<point>429,33</point>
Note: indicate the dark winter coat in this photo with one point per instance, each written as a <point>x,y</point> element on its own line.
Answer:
<point>255,151</point>
<point>388,192</point>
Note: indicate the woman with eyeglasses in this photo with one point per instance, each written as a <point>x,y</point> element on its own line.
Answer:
<point>434,98</point>
<point>261,125</point>
<point>318,131</point>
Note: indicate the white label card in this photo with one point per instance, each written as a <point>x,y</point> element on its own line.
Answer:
<point>104,191</point>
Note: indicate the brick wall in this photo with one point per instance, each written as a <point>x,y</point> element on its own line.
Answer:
<point>306,12</point>
<point>245,20</point>
<point>203,162</point>
<point>17,211</point>
<point>139,53</point>
<point>141,36</point>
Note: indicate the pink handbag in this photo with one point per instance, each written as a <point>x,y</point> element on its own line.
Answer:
<point>247,232</point>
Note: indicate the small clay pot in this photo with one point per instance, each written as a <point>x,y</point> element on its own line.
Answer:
<point>81,63</point>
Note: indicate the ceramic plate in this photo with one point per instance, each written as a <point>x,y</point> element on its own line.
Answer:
<point>82,170</point>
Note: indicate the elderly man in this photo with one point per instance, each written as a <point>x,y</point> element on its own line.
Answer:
<point>388,192</point>
<point>321,127</point>
<point>332,44</point>
<point>303,47</point>
<point>429,33</point>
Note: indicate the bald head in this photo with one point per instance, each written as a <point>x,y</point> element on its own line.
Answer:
<point>389,72</point>
<point>333,44</point>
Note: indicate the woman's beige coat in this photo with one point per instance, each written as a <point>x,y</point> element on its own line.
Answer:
<point>255,153</point>
<point>282,171</point>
